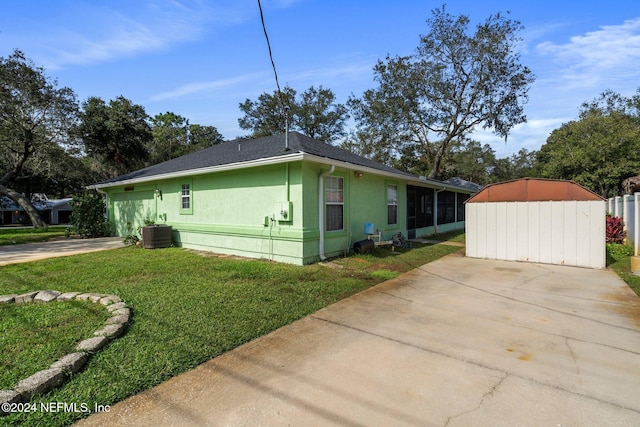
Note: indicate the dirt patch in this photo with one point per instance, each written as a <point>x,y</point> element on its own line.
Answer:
<point>209,254</point>
<point>626,303</point>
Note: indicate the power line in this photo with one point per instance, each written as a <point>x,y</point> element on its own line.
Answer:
<point>273,64</point>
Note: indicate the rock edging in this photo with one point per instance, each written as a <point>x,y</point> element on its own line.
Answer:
<point>47,379</point>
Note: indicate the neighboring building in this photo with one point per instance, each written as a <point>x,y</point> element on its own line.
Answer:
<point>53,212</point>
<point>294,199</point>
<point>472,186</point>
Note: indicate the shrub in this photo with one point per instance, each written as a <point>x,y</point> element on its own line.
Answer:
<point>618,251</point>
<point>88,215</point>
<point>615,230</point>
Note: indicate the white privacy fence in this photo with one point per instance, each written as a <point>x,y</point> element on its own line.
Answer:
<point>625,208</point>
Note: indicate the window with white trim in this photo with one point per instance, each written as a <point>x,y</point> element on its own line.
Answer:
<point>185,197</point>
<point>334,202</point>
<point>392,204</point>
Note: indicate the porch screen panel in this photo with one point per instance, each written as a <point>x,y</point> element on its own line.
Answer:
<point>446,207</point>
<point>460,205</point>
<point>419,206</point>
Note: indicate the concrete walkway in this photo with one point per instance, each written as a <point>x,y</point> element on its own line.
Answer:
<point>457,342</point>
<point>13,254</point>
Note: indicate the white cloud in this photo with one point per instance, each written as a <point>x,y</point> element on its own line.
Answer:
<point>126,38</point>
<point>199,87</point>
<point>608,54</point>
<point>530,135</point>
<point>328,75</point>
<point>105,34</point>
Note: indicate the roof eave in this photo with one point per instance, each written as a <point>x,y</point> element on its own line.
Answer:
<point>283,159</point>
<point>396,175</point>
<point>201,171</point>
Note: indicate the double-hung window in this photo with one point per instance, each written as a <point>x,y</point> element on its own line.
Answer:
<point>392,204</point>
<point>334,202</point>
<point>185,198</point>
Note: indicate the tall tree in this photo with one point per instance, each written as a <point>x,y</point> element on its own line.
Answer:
<point>170,137</point>
<point>266,116</point>
<point>455,83</point>
<point>56,172</point>
<point>598,150</point>
<point>35,117</point>
<point>315,113</point>
<point>115,135</point>
<point>201,136</point>
<point>519,165</point>
<point>471,161</point>
<point>173,137</point>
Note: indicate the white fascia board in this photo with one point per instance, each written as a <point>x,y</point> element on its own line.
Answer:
<point>202,171</point>
<point>440,185</point>
<point>353,166</point>
<point>411,179</point>
<point>297,156</point>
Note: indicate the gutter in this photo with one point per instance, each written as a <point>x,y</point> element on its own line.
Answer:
<point>321,210</point>
<point>200,171</point>
<point>295,156</point>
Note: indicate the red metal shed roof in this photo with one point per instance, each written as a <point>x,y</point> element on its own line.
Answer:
<point>534,190</point>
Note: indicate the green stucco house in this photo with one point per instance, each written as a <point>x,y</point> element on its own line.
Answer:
<point>290,199</point>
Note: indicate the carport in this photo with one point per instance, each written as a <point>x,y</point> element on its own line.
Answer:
<point>537,220</point>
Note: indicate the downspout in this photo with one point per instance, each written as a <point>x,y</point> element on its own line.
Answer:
<point>435,209</point>
<point>321,210</point>
<point>286,182</point>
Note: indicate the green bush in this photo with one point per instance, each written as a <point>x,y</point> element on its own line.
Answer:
<point>619,251</point>
<point>88,216</point>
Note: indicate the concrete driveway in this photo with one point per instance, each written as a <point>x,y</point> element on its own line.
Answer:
<point>457,342</point>
<point>14,254</point>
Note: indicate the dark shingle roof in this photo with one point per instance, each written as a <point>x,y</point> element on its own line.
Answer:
<point>245,150</point>
<point>464,184</point>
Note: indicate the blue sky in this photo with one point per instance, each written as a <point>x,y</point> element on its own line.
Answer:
<point>201,58</point>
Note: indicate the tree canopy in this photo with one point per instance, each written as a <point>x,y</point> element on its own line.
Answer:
<point>202,136</point>
<point>173,137</point>
<point>599,149</point>
<point>115,135</point>
<point>35,117</point>
<point>314,114</point>
<point>455,83</point>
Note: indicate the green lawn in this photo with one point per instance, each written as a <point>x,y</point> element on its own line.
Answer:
<point>452,236</point>
<point>33,336</point>
<point>618,259</point>
<point>188,308</point>
<point>13,236</point>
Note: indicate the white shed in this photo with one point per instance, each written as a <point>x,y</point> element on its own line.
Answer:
<point>537,220</point>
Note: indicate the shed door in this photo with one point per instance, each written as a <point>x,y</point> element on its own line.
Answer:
<point>132,207</point>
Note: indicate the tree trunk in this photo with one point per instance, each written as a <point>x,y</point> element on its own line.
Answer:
<point>437,160</point>
<point>35,217</point>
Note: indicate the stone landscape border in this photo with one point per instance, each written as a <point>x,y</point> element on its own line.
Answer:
<point>46,380</point>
